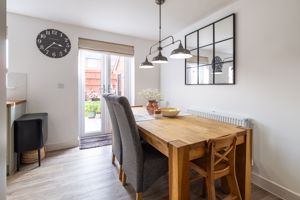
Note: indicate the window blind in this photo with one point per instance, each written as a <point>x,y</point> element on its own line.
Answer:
<point>106,47</point>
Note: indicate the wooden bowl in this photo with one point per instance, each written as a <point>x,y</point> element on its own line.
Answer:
<point>169,112</point>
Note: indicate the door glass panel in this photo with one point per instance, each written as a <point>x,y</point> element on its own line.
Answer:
<point>93,71</point>
<point>117,74</point>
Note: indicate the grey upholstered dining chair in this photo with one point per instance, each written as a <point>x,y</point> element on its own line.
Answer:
<point>117,143</point>
<point>142,163</point>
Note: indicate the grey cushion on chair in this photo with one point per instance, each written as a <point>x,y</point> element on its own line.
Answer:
<point>117,143</point>
<point>142,164</point>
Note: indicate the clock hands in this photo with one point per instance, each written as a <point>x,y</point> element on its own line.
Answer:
<point>53,43</point>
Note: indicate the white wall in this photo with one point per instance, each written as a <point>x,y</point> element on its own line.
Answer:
<point>267,88</point>
<point>2,101</point>
<point>45,73</point>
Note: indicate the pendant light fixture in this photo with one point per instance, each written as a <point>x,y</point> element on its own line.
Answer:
<point>179,53</point>
<point>146,64</point>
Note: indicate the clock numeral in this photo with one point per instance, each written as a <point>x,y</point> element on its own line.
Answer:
<point>39,41</point>
<point>54,32</point>
<point>61,35</point>
<point>66,50</point>
<point>66,40</point>
<point>68,45</point>
<point>53,54</point>
<point>47,51</point>
<point>47,32</point>
<point>42,47</point>
<point>43,36</point>
<point>61,54</point>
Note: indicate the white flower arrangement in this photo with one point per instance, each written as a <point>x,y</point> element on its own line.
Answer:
<point>151,94</point>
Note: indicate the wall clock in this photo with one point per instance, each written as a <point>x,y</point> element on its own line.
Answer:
<point>53,43</point>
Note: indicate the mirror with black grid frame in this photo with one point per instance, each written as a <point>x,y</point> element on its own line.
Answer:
<point>213,60</point>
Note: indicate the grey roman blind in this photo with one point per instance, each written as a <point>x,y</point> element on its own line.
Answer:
<point>106,47</point>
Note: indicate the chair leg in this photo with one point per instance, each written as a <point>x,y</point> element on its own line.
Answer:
<point>204,188</point>
<point>121,173</point>
<point>113,159</point>
<point>234,187</point>
<point>123,178</point>
<point>18,161</point>
<point>138,196</point>
<point>211,190</point>
<point>39,156</point>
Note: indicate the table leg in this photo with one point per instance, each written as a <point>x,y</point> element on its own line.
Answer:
<point>179,187</point>
<point>244,166</point>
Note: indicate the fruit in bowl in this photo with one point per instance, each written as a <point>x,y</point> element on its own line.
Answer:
<point>169,112</point>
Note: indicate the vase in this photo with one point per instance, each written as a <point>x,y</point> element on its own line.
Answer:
<point>152,106</point>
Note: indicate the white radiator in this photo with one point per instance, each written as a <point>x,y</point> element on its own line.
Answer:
<point>222,117</point>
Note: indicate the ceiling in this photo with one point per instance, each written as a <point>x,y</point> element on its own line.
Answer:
<point>137,18</point>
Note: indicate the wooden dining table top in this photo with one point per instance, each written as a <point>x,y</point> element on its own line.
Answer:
<point>188,128</point>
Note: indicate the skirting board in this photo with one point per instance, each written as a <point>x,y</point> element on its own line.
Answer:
<point>274,188</point>
<point>60,146</point>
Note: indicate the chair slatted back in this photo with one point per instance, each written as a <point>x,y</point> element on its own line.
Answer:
<point>222,150</point>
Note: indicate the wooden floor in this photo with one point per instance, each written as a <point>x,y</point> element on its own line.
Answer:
<point>87,175</point>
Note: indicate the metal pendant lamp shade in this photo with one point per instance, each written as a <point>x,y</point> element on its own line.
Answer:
<point>181,53</point>
<point>160,59</point>
<point>146,64</point>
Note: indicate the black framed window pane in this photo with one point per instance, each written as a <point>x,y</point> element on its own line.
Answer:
<point>206,36</point>
<point>192,76</point>
<point>224,29</point>
<point>191,41</point>
<point>205,73</point>
<point>193,61</point>
<point>205,55</point>
<point>226,75</point>
<point>224,50</point>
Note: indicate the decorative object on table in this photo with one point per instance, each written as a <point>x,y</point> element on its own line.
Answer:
<point>179,53</point>
<point>213,54</point>
<point>169,112</point>
<point>157,114</point>
<point>152,106</point>
<point>152,96</point>
<point>53,43</point>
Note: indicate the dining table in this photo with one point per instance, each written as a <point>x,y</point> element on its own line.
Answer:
<point>183,138</point>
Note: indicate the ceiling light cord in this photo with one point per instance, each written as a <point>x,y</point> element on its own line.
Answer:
<point>179,53</point>
<point>159,48</point>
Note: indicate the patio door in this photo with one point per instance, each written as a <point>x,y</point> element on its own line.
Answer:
<point>101,73</point>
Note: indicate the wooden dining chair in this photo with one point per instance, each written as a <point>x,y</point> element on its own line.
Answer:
<point>117,143</point>
<point>219,162</point>
<point>142,163</point>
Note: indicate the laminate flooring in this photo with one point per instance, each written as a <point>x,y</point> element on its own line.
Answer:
<point>75,174</point>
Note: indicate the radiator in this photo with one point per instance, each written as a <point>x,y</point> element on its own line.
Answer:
<point>222,117</point>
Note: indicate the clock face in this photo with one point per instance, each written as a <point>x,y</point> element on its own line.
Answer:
<point>53,43</point>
